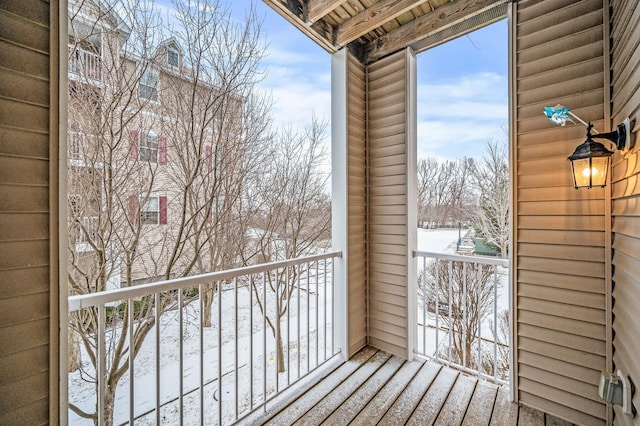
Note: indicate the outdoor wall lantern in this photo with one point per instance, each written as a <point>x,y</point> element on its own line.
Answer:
<point>590,160</point>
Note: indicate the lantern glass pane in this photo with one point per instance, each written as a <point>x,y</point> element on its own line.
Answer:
<point>590,172</point>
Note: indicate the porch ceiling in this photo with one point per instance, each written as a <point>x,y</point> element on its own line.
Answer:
<point>374,29</point>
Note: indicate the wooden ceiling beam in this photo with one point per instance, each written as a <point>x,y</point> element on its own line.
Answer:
<point>375,16</point>
<point>317,9</point>
<point>426,25</point>
<point>316,32</point>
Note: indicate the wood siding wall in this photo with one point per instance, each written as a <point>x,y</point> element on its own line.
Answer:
<point>559,260</point>
<point>356,203</point>
<point>26,302</point>
<point>389,237</point>
<point>625,82</point>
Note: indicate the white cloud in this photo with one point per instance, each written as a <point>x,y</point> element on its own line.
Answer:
<point>300,83</point>
<point>456,118</point>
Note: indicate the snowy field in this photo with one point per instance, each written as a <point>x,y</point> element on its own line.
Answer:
<point>247,339</point>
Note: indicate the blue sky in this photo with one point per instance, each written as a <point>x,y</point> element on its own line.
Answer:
<point>462,84</point>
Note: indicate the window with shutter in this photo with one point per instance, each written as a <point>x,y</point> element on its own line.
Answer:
<point>153,210</point>
<point>149,146</point>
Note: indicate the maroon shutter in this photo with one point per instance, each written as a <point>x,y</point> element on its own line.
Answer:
<point>133,144</point>
<point>133,210</point>
<point>207,150</point>
<point>163,210</point>
<point>162,151</point>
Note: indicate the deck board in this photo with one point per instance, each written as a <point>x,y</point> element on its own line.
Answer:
<point>454,409</point>
<point>376,388</point>
<point>431,403</point>
<point>411,396</point>
<point>530,417</point>
<point>481,405</point>
<point>327,405</point>
<point>378,406</point>
<point>347,411</point>
<point>504,412</point>
<point>306,401</point>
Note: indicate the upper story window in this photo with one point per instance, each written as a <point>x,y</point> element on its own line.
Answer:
<point>149,147</point>
<point>153,210</point>
<point>173,58</point>
<point>149,84</point>
<point>76,146</point>
<point>150,211</point>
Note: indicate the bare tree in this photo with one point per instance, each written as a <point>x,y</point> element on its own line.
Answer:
<point>502,335</point>
<point>155,145</point>
<point>464,294</point>
<point>491,180</point>
<point>445,194</point>
<point>294,218</point>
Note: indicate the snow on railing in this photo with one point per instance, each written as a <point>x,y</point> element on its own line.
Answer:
<point>84,63</point>
<point>463,317</point>
<point>269,326</point>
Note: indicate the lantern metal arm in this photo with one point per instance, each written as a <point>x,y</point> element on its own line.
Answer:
<point>620,137</point>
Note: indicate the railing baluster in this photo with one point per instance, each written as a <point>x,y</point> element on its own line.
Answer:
<point>130,312</point>
<point>251,284</point>
<point>317,319</point>
<point>424,305</point>
<point>201,350</point>
<point>495,321</point>
<point>308,321</point>
<point>219,294</point>
<point>437,308</point>
<point>235,338</point>
<point>450,271</point>
<point>264,339</point>
<point>288,295</point>
<point>102,362</point>
<point>324,292</point>
<point>157,332</point>
<point>276,324</point>
<point>464,314</point>
<point>479,315</point>
<point>333,304</point>
<point>297,275</point>
<point>181,348</point>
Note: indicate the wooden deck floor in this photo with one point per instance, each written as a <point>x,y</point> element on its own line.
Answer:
<point>376,388</point>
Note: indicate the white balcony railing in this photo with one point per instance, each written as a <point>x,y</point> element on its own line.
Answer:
<point>84,64</point>
<point>187,371</point>
<point>463,318</point>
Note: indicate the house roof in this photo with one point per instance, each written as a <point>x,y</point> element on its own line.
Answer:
<point>374,29</point>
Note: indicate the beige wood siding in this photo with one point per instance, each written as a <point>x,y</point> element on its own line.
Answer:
<point>560,233</point>
<point>388,98</point>
<point>625,82</point>
<point>25,191</point>
<point>356,203</point>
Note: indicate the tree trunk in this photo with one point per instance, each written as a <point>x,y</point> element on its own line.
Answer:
<point>207,302</point>
<point>280,349</point>
<point>75,358</point>
<point>109,402</point>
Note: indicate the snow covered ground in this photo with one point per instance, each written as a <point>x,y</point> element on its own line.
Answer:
<point>312,348</point>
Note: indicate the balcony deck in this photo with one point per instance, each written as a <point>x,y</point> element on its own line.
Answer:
<point>374,387</point>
